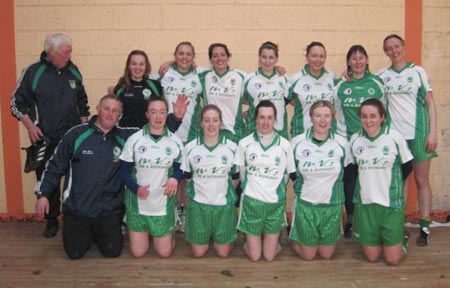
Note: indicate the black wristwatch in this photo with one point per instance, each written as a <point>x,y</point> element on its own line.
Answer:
<point>38,194</point>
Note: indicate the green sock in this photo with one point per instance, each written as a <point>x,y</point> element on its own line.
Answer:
<point>425,221</point>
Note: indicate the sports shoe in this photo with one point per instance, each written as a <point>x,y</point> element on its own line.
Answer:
<point>405,242</point>
<point>35,155</point>
<point>51,228</point>
<point>348,230</point>
<point>424,237</point>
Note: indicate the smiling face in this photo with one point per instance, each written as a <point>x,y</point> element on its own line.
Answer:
<point>137,67</point>
<point>371,119</point>
<point>211,123</point>
<point>316,59</point>
<point>358,63</point>
<point>156,115</point>
<point>395,50</point>
<point>267,60</point>
<point>265,120</point>
<point>184,57</point>
<point>108,111</point>
<point>219,59</point>
<point>321,118</point>
<point>60,56</point>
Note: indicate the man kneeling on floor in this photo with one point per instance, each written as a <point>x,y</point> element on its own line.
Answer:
<point>88,157</point>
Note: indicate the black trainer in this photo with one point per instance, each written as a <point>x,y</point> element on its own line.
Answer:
<point>424,237</point>
<point>348,230</point>
<point>51,228</point>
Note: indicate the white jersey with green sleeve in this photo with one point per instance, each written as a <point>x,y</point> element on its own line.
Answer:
<point>350,95</point>
<point>258,87</point>
<point>406,91</point>
<point>175,83</point>
<point>225,91</point>
<point>211,169</point>
<point>320,167</point>
<point>265,167</point>
<point>305,91</point>
<point>379,161</point>
<point>153,160</point>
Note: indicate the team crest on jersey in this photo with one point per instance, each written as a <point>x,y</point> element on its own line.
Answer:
<point>306,87</point>
<point>410,79</point>
<point>168,151</point>
<point>214,79</point>
<point>371,91</point>
<point>331,154</point>
<point>73,84</point>
<point>197,159</point>
<point>142,149</point>
<point>193,84</point>
<point>306,153</point>
<point>252,157</point>
<point>233,81</point>
<point>387,79</point>
<point>258,85</point>
<point>385,150</point>
<point>359,150</point>
<point>170,79</point>
<point>147,93</point>
<point>116,153</point>
<point>281,84</point>
<point>224,160</point>
<point>277,161</point>
<point>330,87</point>
<point>348,91</point>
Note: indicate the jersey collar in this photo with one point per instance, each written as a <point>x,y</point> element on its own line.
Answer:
<point>146,131</point>
<point>307,71</point>
<point>275,141</point>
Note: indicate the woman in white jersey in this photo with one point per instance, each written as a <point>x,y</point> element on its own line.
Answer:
<point>320,157</point>
<point>311,84</point>
<point>379,153</point>
<point>182,78</point>
<point>362,85</point>
<point>413,113</point>
<point>223,88</point>
<point>267,84</point>
<point>210,212</point>
<point>150,169</point>
<point>265,160</point>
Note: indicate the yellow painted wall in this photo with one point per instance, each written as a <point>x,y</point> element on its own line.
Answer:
<point>105,31</point>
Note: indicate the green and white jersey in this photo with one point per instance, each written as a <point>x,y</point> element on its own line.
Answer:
<point>275,88</point>
<point>350,95</point>
<point>320,167</point>
<point>225,92</point>
<point>305,91</point>
<point>379,161</point>
<point>153,160</point>
<point>405,92</point>
<point>266,167</point>
<point>211,169</point>
<point>175,83</point>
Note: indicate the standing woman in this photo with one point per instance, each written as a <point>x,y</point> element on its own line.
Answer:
<point>267,84</point>
<point>150,168</point>
<point>350,94</point>
<point>311,84</point>
<point>134,89</point>
<point>380,153</point>
<point>413,113</point>
<point>223,88</point>
<point>210,212</point>
<point>320,157</point>
<point>265,160</point>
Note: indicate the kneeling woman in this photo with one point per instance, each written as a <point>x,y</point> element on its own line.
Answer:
<point>210,210</point>
<point>320,157</point>
<point>379,199</point>
<point>150,168</point>
<point>265,160</point>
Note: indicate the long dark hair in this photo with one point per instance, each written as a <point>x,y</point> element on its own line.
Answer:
<point>125,80</point>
